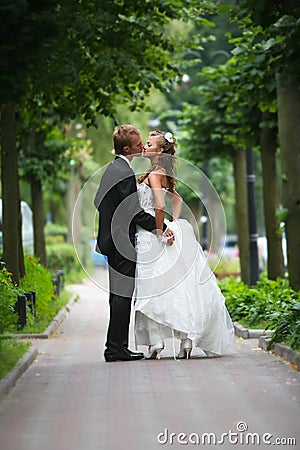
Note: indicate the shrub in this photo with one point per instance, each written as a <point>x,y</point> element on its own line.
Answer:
<point>271,303</point>
<point>224,266</point>
<point>61,256</point>
<point>8,297</point>
<point>236,294</point>
<point>55,239</point>
<point>55,233</point>
<point>38,279</point>
<point>53,229</point>
<point>286,324</point>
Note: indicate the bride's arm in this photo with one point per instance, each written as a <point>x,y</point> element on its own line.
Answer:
<point>156,181</point>
<point>176,202</point>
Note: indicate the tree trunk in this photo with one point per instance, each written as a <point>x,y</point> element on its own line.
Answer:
<point>11,206</point>
<point>74,208</point>
<point>241,210</point>
<point>215,227</point>
<point>53,208</point>
<point>253,249</point>
<point>289,139</point>
<point>37,200</point>
<point>268,147</point>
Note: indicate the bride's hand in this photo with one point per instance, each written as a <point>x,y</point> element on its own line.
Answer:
<point>169,234</point>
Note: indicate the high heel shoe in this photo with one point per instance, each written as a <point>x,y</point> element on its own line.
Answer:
<point>185,348</point>
<point>154,351</point>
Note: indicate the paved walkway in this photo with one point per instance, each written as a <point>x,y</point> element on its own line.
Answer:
<point>70,399</point>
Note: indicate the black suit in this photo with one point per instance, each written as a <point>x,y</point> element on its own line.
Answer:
<point>119,213</point>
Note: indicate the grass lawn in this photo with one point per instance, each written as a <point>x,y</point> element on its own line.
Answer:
<point>258,325</point>
<point>11,350</point>
<point>40,324</point>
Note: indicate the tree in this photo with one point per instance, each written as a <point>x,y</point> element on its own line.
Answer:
<point>268,52</point>
<point>26,30</point>
<point>116,53</point>
<point>258,55</point>
<point>215,128</point>
<point>255,84</point>
<point>11,208</point>
<point>280,32</point>
<point>81,58</point>
<point>44,161</point>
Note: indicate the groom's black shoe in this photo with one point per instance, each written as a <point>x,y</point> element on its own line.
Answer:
<point>125,346</point>
<point>135,353</point>
<point>123,355</point>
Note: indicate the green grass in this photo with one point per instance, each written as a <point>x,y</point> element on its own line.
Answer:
<point>11,350</point>
<point>76,275</point>
<point>258,325</point>
<point>224,265</point>
<point>40,324</point>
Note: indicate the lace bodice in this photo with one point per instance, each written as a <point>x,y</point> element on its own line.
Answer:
<point>146,197</point>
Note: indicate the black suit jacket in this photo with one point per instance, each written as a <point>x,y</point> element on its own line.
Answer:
<point>119,210</point>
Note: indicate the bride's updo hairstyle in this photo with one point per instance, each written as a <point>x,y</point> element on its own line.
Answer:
<point>169,145</point>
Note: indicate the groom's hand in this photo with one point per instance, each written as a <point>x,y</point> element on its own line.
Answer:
<point>169,234</point>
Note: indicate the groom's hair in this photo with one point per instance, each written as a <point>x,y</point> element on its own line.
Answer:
<point>122,137</point>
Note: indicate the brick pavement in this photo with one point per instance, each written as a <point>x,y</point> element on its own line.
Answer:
<point>70,399</point>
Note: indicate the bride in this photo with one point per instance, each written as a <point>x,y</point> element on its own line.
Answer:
<point>176,294</point>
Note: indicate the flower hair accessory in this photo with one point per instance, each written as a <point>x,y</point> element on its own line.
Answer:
<point>169,137</point>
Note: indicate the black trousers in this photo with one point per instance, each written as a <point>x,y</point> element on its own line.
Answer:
<point>121,287</point>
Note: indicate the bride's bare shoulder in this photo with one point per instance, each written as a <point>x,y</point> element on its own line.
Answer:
<point>157,177</point>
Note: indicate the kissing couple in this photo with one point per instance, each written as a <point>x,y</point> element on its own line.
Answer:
<point>157,260</point>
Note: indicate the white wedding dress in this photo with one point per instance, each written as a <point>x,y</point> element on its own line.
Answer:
<point>176,293</point>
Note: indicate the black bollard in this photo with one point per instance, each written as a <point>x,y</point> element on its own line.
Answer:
<point>56,285</point>
<point>21,309</point>
<point>253,249</point>
<point>33,293</point>
<point>29,302</point>
<point>61,277</point>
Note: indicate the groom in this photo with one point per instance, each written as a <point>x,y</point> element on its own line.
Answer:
<point>119,214</point>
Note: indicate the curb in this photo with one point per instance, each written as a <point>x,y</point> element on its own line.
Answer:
<point>54,324</point>
<point>283,350</point>
<point>8,382</point>
<point>264,339</point>
<point>246,333</point>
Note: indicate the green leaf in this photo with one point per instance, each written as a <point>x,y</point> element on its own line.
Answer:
<point>281,214</point>
<point>269,44</point>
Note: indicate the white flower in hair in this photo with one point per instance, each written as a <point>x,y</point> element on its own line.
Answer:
<point>169,137</point>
